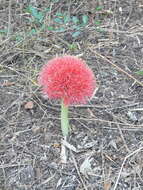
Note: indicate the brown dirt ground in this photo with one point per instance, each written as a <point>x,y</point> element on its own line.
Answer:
<point>107,132</point>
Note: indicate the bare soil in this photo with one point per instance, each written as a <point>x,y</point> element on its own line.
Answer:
<point>107,133</point>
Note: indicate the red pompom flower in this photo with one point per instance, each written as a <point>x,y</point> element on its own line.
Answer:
<point>67,78</point>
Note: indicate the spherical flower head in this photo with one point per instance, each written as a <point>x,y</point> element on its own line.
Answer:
<point>67,78</point>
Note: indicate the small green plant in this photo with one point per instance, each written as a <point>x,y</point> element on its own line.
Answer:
<point>98,8</point>
<point>38,16</point>
<point>74,23</point>
<point>72,46</point>
<point>139,72</point>
<point>60,22</point>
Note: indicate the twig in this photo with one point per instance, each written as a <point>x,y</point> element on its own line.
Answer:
<point>125,22</point>
<point>123,139</point>
<point>93,119</point>
<point>117,67</point>
<point>129,155</point>
<point>78,172</point>
<point>63,151</point>
<point>9,19</point>
<point>12,165</point>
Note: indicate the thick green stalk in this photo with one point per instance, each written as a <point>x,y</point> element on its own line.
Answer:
<point>64,119</point>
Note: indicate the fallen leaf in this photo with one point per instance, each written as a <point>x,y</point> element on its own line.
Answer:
<point>29,105</point>
<point>56,145</point>
<point>7,83</point>
<point>36,129</point>
<point>107,185</point>
<point>86,166</point>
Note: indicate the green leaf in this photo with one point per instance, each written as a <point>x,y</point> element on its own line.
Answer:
<point>55,1</point>
<point>66,19</point>
<point>72,46</point>
<point>43,27</point>
<point>77,27</point>
<point>58,20</point>
<point>75,20</point>
<point>76,34</point>
<point>99,8</point>
<point>85,19</point>
<point>139,72</point>
<point>59,14</point>
<point>50,28</point>
<point>98,29</point>
<point>19,38</point>
<point>61,29</point>
<point>47,9</point>
<point>97,22</point>
<point>32,32</point>
<point>37,15</point>
<point>40,16</point>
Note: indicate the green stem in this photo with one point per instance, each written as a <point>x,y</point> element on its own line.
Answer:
<point>64,119</point>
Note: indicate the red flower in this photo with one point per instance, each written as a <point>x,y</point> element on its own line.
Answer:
<point>67,78</point>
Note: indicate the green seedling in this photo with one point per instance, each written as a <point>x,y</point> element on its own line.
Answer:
<point>139,72</point>
<point>37,15</point>
<point>98,8</point>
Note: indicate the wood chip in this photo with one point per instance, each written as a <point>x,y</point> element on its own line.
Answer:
<point>107,185</point>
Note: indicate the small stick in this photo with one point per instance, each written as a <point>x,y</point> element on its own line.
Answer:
<point>9,19</point>
<point>64,153</point>
<point>117,67</point>
<point>123,139</point>
<point>129,155</point>
<point>78,172</point>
